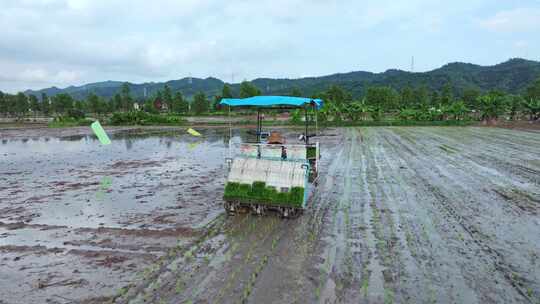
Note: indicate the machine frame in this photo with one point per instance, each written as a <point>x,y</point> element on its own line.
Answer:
<point>307,163</point>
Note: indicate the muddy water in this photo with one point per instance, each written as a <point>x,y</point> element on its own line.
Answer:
<point>86,184</point>
<point>78,219</point>
<point>399,215</point>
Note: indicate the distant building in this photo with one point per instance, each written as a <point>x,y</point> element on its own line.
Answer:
<point>160,105</point>
<point>136,106</point>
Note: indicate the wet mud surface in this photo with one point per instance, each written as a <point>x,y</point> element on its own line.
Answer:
<point>78,219</point>
<point>399,215</point>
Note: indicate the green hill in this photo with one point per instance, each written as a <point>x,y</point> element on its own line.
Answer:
<point>512,76</point>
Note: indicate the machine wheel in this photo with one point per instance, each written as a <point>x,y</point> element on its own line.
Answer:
<point>258,210</point>
<point>230,208</point>
<point>287,212</point>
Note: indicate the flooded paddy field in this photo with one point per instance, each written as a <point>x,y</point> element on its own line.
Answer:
<point>399,215</point>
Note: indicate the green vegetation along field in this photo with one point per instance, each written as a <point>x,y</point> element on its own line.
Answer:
<point>400,215</point>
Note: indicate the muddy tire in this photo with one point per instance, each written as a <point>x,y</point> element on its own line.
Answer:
<point>230,208</point>
<point>258,210</point>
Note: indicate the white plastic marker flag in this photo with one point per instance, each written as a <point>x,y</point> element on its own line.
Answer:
<point>193,132</point>
<point>100,133</point>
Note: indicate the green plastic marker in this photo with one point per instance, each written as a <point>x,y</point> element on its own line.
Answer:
<point>193,132</point>
<point>100,133</point>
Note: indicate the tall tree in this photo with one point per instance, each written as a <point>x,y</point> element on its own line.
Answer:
<point>492,105</point>
<point>200,104</point>
<point>180,105</point>
<point>226,91</point>
<point>149,106</point>
<point>117,102</point>
<point>92,100</point>
<point>167,97</point>
<point>421,97</point>
<point>515,106</point>
<point>533,91</point>
<point>247,89</point>
<point>62,103</point>
<point>34,104</point>
<point>383,98</point>
<point>126,97</point>
<point>80,106</point>
<point>407,98</point>
<point>296,92</point>
<point>446,95</point>
<point>22,105</point>
<point>470,97</point>
<point>337,95</point>
<point>3,103</point>
<point>435,100</point>
<point>45,104</point>
<point>532,108</point>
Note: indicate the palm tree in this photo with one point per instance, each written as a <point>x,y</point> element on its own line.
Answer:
<point>492,105</point>
<point>458,110</point>
<point>407,114</point>
<point>532,107</point>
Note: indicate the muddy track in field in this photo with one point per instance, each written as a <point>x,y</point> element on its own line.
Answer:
<point>400,215</point>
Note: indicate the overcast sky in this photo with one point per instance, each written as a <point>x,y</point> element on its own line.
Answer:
<point>47,43</point>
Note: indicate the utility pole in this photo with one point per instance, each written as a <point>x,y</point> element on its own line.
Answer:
<point>412,64</point>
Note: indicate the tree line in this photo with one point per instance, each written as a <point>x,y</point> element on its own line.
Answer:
<point>21,105</point>
<point>422,104</point>
<point>378,102</point>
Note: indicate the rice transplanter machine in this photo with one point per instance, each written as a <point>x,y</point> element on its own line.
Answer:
<point>272,175</point>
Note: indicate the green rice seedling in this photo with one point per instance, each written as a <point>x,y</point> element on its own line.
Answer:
<point>282,198</point>
<point>244,191</point>
<point>311,152</point>
<point>257,190</point>
<point>270,194</point>
<point>231,190</point>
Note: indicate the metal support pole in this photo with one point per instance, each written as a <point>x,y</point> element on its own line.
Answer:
<point>259,127</point>
<point>306,135</point>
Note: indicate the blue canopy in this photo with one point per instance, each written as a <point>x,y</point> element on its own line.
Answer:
<point>269,101</point>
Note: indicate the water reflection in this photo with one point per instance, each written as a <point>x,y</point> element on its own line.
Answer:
<point>73,137</point>
<point>129,144</point>
<point>192,146</point>
<point>163,138</point>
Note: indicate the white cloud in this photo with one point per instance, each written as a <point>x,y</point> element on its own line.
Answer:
<point>43,76</point>
<point>515,20</point>
<point>64,42</point>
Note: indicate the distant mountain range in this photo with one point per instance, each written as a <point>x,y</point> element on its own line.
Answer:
<point>511,76</point>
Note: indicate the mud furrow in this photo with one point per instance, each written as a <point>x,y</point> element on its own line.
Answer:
<point>293,259</point>
<point>491,256</point>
